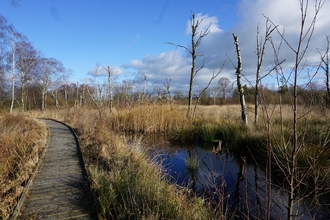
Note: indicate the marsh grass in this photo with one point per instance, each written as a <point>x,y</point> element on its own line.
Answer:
<point>21,142</point>
<point>128,183</point>
<point>131,185</point>
<point>137,188</point>
<point>150,119</point>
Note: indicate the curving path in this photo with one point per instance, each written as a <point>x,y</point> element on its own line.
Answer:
<point>60,189</point>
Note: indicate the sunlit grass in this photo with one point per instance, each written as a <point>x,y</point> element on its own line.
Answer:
<point>21,142</point>
<point>130,184</point>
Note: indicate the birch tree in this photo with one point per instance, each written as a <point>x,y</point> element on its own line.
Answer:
<point>51,71</point>
<point>26,59</point>
<point>8,38</point>
<point>14,66</point>
<point>13,75</point>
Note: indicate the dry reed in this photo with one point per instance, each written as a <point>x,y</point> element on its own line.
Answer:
<point>21,142</point>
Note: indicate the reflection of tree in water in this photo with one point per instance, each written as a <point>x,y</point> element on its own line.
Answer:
<point>239,212</point>
<point>193,173</point>
<point>236,188</point>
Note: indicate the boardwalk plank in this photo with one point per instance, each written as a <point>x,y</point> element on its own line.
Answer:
<point>60,189</point>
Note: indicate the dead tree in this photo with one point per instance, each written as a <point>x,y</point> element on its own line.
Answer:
<point>239,84</point>
<point>196,38</point>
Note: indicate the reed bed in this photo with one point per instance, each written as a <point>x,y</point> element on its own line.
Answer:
<point>21,142</point>
<point>128,183</point>
<point>131,185</point>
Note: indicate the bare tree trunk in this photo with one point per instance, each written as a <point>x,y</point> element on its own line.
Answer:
<point>110,90</point>
<point>13,80</point>
<point>24,91</point>
<point>77,95</point>
<point>193,61</point>
<point>56,99</point>
<point>83,98</point>
<point>12,94</point>
<point>193,52</point>
<point>43,97</point>
<point>239,85</point>
<point>66,96</point>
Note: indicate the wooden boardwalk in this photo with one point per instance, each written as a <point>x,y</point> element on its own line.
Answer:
<point>60,189</point>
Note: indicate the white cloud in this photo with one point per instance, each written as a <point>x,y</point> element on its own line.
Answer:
<point>206,22</point>
<point>219,44</point>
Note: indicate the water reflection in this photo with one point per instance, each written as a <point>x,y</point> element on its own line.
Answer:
<point>229,183</point>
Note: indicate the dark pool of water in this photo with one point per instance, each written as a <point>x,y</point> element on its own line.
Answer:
<point>222,178</point>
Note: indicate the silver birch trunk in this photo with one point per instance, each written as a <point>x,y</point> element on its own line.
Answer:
<point>13,80</point>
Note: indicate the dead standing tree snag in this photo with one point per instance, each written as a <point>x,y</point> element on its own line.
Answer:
<point>239,84</point>
<point>196,38</point>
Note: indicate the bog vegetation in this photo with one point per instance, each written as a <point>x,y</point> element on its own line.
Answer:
<point>131,184</point>
<point>21,143</point>
<point>285,130</point>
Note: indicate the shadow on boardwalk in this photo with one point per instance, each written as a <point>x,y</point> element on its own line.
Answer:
<point>60,190</point>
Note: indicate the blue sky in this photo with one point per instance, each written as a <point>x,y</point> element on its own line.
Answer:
<point>130,35</point>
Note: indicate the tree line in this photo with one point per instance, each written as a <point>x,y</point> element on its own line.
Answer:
<point>28,80</point>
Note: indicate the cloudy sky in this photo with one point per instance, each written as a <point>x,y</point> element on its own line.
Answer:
<point>130,36</point>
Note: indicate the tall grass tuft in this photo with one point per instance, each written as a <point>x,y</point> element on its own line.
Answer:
<point>131,185</point>
<point>150,119</point>
<point>21,142</point>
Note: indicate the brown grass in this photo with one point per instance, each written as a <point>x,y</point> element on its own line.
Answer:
<point>108,154</point>
<point>21,142</point>
<point>128,183</point>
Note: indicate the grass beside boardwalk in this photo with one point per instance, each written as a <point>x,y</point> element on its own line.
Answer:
<point>21,142</point>
<point>131,185</point>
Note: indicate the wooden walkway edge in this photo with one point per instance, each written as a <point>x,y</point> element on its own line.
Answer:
<point>60,189</point>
